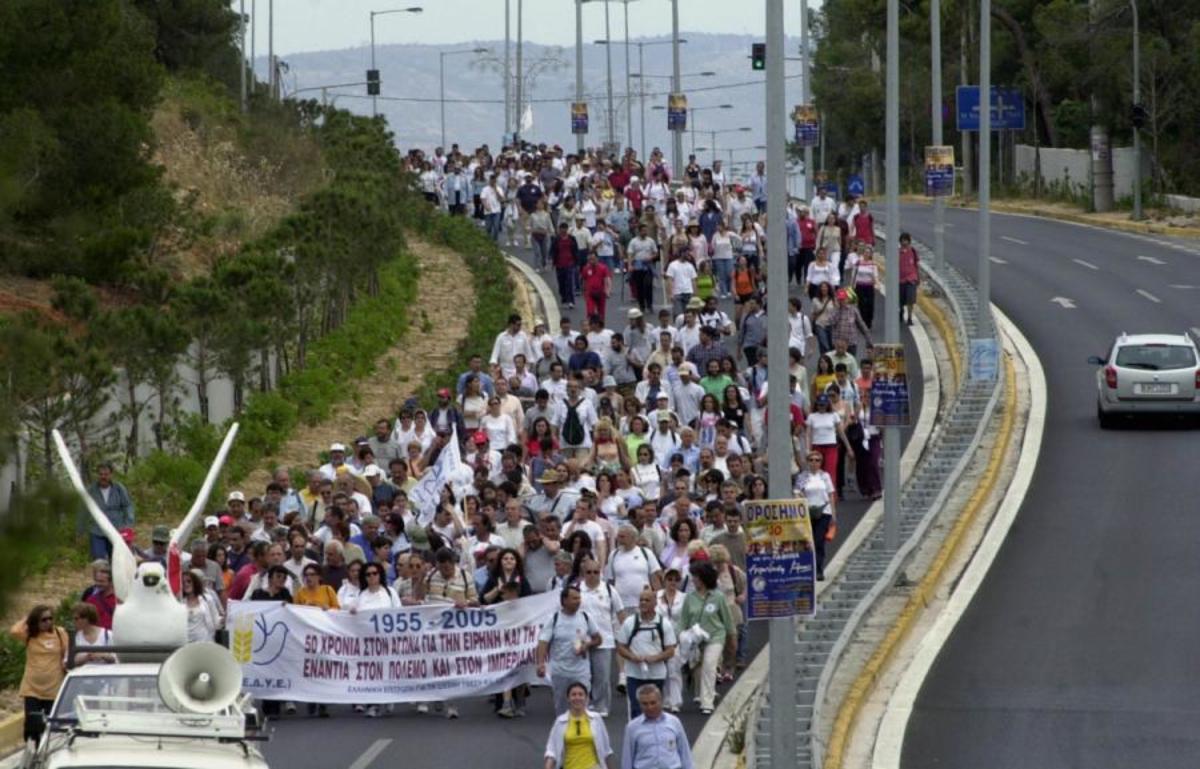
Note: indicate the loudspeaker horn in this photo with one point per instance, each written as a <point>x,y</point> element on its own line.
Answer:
<point>200,678</point>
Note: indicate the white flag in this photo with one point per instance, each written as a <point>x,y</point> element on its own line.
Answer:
<point>527,119</point>
<point>428,492</point>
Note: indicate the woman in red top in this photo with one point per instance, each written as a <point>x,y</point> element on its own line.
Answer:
<point>597,285</point>
<point>864,224</point>
<point>910,275</point>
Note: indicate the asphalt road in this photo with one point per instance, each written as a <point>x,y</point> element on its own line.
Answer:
<point>478,737</point>
<point>1080,648</point>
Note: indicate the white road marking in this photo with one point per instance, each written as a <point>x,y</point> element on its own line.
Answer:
<point>370,754</point>
<point>1089,265</point>
<point>1183,286</point>
<point>1018,241</point>
<point>1149,296</point>
<point>889,741</point>
<point>1063,302</point>
<point>998,260</point>
<point>1151,259</point>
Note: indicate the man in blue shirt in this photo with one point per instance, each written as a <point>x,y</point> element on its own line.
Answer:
<point>655,740</point>
<point>758,187</point>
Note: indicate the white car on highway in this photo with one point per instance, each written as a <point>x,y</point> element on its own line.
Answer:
<point>1148,374</point>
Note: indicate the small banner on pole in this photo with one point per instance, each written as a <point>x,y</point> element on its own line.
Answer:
<point>677,110</point>
<point>890,405</point>
<point>808,125</point>
<point>579,117</point>
<point>780,562</point>
<point>939,171</point>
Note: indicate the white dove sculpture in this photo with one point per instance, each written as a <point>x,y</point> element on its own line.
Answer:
<point>148,614</point>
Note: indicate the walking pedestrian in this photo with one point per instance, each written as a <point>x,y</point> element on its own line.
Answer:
<point>646,640</point>
<point>565,646</point>
<point>579,738</point>
<point>655,739</point>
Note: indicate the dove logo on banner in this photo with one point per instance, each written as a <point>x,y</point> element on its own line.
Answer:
<point>426,495</point>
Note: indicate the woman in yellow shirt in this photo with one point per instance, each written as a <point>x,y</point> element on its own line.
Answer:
<point>313,592</point>
<point>823,378</point>
<point>45,663</point>
<point>579,739</point>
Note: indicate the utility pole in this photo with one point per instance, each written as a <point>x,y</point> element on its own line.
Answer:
<point>935,68</point>
<point>375,99</point>
<point>508,110</point>
<point>805,96</point>
<point>984,322</point>
<point>242,50</point>
<point>628,85</point>
<point>519,114</point>
<point>612,125</point>
<point>779,441</point>
<point>579,65</point>
<point>1137,105</point>
<point>891,435</point>
<point>271,77</point>
<point>1100,139</point>
<point>642,94</point>
<point>964,80</point>
<point>677,87</point>
<point>253,35</point>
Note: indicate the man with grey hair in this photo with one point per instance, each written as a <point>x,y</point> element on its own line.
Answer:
<point>645,642</point>
<point>655,739</point>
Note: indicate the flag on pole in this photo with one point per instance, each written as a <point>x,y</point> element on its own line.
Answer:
<point>426,495</point>
<point>527,119</point>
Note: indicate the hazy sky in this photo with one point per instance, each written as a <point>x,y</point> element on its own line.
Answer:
<point>311,25</point>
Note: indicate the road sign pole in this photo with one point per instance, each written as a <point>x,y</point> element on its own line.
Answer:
<point>805,97</point>
<point>984,322</point>
<point>676,87</point>
<point>1137,132</point>
<point>578,65</point>
<point>935,48</point>
<point>782,655</point>
<point>891,435</point>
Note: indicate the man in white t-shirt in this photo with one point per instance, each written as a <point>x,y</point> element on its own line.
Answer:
<point>681,282</point>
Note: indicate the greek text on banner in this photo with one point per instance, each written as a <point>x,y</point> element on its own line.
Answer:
<point>406,654</point>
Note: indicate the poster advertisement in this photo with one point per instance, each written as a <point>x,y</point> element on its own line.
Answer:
<point>808,125</point>
<point>984,360</point>
<point>579,117</point>
<point>677,110</point>
<point>890,405</point>
<point>780,563</point>
<point>939,171</point>
<point>407,654</point>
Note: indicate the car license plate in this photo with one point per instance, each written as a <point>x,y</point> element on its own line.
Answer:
<point>1155,388</point>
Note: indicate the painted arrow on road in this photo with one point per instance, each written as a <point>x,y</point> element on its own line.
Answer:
<point>1063,302</point>
<point>998,260</point>
<point>1151,260</point>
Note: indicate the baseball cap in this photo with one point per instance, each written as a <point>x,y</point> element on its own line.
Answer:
<point>212,520</point>
<point>337,447</point>
<point>372,471</point>
<point>479,437</point>
<point>160,534</point>
<point>695,303</point>
<point>127,535</point>
<point>608,381</point>
<point>634,313</point>
<point>236,496</point>
<point>225,520</point>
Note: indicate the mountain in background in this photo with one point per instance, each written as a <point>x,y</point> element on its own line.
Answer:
<point>475,93</point>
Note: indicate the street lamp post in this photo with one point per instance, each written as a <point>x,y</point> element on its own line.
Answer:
<point>935,88</point>
<point>628,83</point>
<point>410,9</point>
<point>1137,101</point>
<point>676,87</point>
<point>612,133</point>
<point>806,93</point>
<point>713,137</point>
<point>519,115</point>
<point>579,65</point>
<point>442,82</point>
<point>693,110</point>
<point>508,110</point>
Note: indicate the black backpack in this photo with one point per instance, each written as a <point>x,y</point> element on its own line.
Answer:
<point>572,429</point>
<point>658,628</point>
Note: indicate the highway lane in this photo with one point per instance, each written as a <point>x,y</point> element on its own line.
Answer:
<point>1079,648</point>
<point>428,740</point>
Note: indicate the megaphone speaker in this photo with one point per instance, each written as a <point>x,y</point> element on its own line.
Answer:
<point>200,678</point>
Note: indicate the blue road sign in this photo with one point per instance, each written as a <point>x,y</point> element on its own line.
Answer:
<point>1008,108</point>
<point>856,186</point>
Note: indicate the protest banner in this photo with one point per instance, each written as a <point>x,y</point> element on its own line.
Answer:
<point>780,563</point>
<point>406,654</point>
<point>890,405</point>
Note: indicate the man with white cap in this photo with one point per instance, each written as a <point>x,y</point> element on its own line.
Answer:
<point>639,339</point>
<point>688,393</point>
<point>337,458</point>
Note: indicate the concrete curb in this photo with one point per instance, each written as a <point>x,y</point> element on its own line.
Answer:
<point>709,748</point>
<point>545,296</point>
<point>1138,228</point>
<point>889,740</point>
<point>11,730</point>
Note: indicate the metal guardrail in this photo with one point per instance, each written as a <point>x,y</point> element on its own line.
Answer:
<point>872,569</point>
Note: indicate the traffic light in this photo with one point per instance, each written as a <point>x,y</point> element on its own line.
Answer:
<point>372,82</point>
<point>758,56</point>
<point>1138,116</point>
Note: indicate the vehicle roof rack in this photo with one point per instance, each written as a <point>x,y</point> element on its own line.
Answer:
<point>146,717</point>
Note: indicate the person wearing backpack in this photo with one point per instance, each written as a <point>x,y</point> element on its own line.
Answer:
<point>580,419</point>
<point>565,647</point>
<point>646,641</point>
<point>603,605</point>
